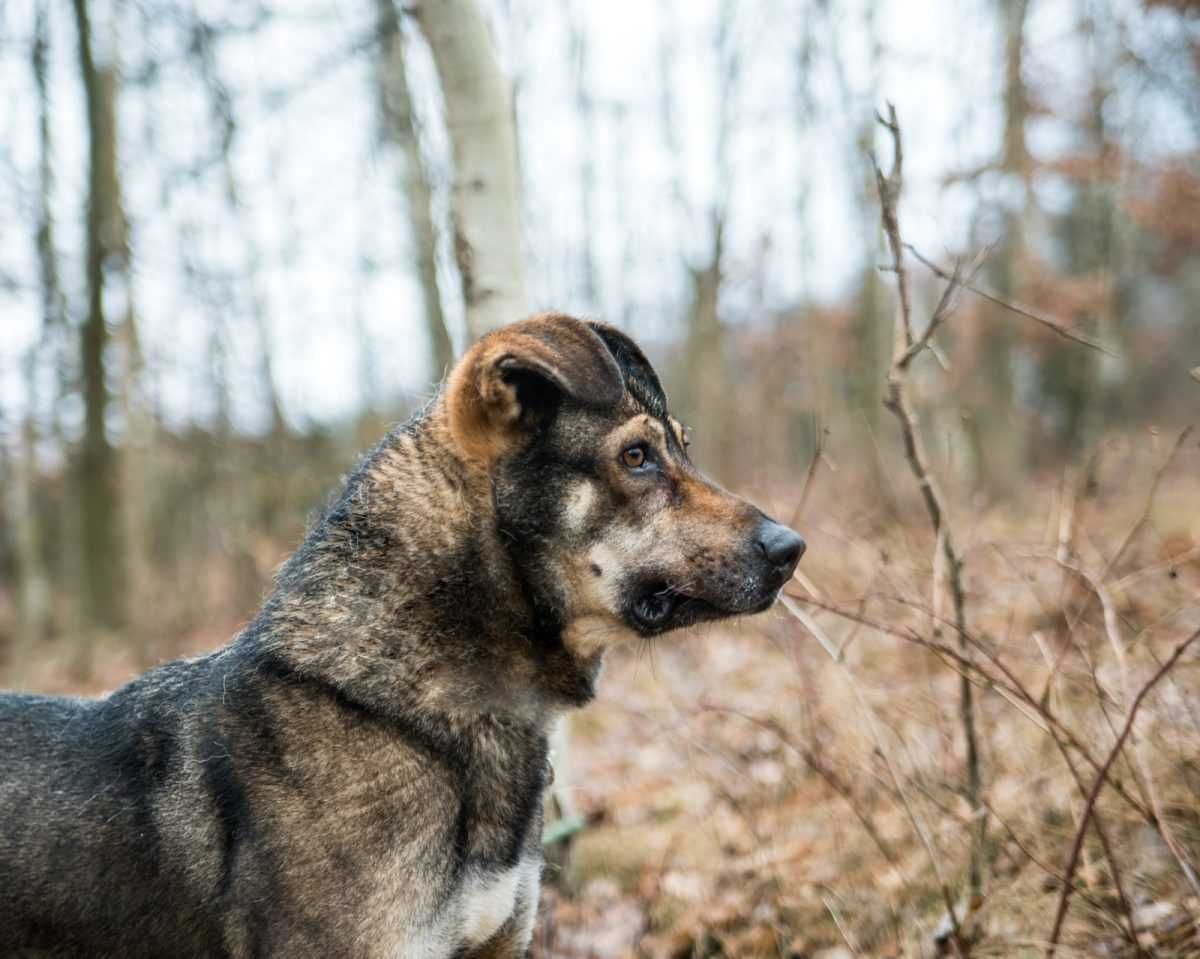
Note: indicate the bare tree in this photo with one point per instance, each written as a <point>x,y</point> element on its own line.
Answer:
<point>398,126</point>
<point>988,425</point>
<point>867,325</point>
<point>204,38</point>
<point>103,558</point>
<point>34,593</point>
<point>704,375</point>
<point>485,201</point>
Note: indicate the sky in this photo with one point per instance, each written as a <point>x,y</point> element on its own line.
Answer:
<point>320,224</point>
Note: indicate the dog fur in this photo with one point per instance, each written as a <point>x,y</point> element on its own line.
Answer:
<point>361,771</point>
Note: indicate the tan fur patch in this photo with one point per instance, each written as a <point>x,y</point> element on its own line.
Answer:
<point>580,499</point>
<point>587,636</point>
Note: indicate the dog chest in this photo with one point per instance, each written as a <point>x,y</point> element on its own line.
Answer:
<point>480,907</point>
<point>486,901</point>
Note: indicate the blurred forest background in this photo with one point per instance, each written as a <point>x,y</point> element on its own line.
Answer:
<point>237,245</point>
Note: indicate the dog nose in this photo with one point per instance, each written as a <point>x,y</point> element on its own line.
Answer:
<point>781,546</point>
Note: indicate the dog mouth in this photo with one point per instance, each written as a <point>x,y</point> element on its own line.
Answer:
<point>658,607</point>
<point>655,606</point>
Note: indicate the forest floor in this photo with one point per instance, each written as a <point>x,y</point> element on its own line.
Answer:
<point>793,785</point>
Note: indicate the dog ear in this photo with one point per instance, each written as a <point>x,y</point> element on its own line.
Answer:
<point>513,380</point>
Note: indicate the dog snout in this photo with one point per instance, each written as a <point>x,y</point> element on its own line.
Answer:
<point>781,546</point>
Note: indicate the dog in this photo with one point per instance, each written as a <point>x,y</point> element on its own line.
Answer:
<point>360,772</point>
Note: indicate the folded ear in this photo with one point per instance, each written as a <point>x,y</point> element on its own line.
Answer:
<point>513,380</point>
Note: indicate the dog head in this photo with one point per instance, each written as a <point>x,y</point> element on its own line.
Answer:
<point>609,523</point>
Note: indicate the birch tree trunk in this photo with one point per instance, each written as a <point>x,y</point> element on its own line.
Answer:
<point>485,200</point>
<point>399,127</point>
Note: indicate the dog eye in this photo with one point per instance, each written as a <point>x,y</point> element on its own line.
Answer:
<point>634,457</point>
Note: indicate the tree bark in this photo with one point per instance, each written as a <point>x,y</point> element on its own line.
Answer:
<point>485,200</point>
<point>102,550</point>
<point>399,127</point>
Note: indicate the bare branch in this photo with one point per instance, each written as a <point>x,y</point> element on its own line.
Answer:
<point>889,201</point>
<point>1059,328</point>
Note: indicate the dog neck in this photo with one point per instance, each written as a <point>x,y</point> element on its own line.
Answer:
<point>406,598</point>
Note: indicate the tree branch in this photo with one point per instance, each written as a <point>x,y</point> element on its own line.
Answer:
<point>897,401</point>
<point>1058,327</point>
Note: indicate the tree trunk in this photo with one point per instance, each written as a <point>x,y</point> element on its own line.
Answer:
<point>34,594</point>
<point>1079,385</point>
<point>996,455</point>
<point>703,377</point>
<point>485,201</point>
<point>1017,163</point>
<point>399,127</point>
<point>103,557</point>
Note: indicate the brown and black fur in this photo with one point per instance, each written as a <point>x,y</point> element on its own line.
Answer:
<point>371,751</point>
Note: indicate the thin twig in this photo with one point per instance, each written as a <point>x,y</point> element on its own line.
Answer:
<point>1098,785</point>
<point>810,475</point>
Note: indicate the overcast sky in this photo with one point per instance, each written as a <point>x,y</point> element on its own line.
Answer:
<point>322,227</point>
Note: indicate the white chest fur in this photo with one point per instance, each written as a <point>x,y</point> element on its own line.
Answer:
<point>486,902</point>
<point>482,904</point>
